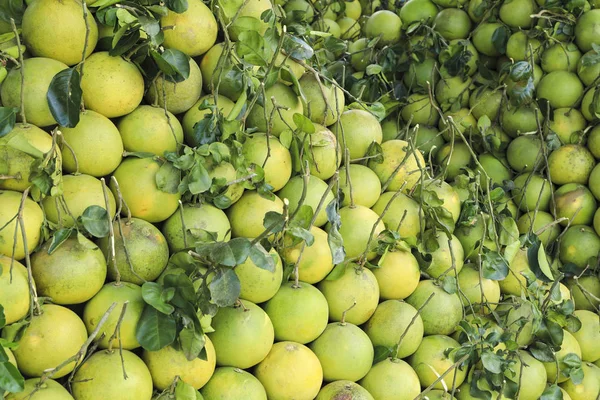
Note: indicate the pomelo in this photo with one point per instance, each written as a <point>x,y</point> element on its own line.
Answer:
<point>316,189</point>
<point>259,285</point>
<point>430,361</point>
<point>316,261</point>
<point>272,156</point>
<point>392,379</point>
<point>398,275</point>
<point>357,130</point>
<point>177,97</point>
<point>442,313</point>
<point>228,383</point>
<point>14,290</point>
<point>33,219</point>
<point>193,32</point>
<point>324,101</point>
<point>246,216</point>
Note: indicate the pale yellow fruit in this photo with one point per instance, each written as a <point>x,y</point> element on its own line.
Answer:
<point>316,261</point>
<point>430,361</point>
<point>359,230</point>
<point>195,115</point>
<point>588,336</point>
<point>315,190</point>
<point>366,187</point>
<point>50,390</point>
<point>278,119</point>
<point>177,96</point>
<point>403,214</point>
<point>324,101</point>
<point>272,156</point>
<point>248,213</point>
<point>392,379</point>
<point>401,166</point>
<point>33,218</point>
<point>569,345</point>
<point>193,32</point>
<point>259,285</point>
<point>398,275</point>
<point>14,290</point>
<point>228,383</point>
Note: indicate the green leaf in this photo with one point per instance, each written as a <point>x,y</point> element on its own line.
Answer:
<point>538,262</point>
<point>251,48</point>
<point>184,391</point>
<point>240,247</point>
<point>11,379</point>
<point>373,69</point>
<point>179,63</point>
<point>492,362</point>
<point>199,179</point>
<point>225,288</point>
<point>96,221</point>
<point>552,393</point>
<point>500,38</point>
<point>8,118</point>
<point>303,123</point>
<point>168,178</point>
<point>301,233</point>
<point>2,317</point>
<point>58,238</point>
<point>12,9</point>
<point>274,221</point>
<point>337,272</point>
<point>494,266</point>
<point>297,48</point>
<point>152,294</point>
<point>449,284</point>
<point>262,258</point>
<point>192,342</point>
<point>179,6</point>
<point>521,71</point>
<point>184,289</point>
<point>542,352</point>
<point>334,238</point>
<point>382,353</point>
<point>155,330</point>
<point>64,97</point>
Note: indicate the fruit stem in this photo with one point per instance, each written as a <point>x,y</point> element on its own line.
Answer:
<point>117,335</point>
<point>85,44</point>
<point>121,199</point>
<point>412,321</point>
<point>343,320</point>
<point>22,64</point>
<point>183,227</point>
<point>111,234</point>
<point>348,179</point>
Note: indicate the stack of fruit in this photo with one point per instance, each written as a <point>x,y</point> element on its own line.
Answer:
<point>301,200</point>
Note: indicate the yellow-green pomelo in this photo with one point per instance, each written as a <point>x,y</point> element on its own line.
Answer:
<point>594,181</point>
<point>50,338</point>
<point>419,110</point>
<point>323,154</point>
<point>38,72</point>
<point>360,227</point>
<point>198,223</point>
<point>14,290</point>
<point>147,129</point>
<point>588,72</point>
<point>560,57</point>
<point>332,27</point>
<point>452,158</point>
<point>597,221</point>
<point>357,130</point>
<point>540,223</point>
<point>392,320</point>
<point>316,261</point>
<point>571,163</point>
<point>472,234</point>
<point>401,168</point>
<point>195,115</point>
<point>569,345</point>
<point>343,390</point>
<point>485,102</point>
<point>521,47</point>
<point>587,30</point>
<point>315,190</point>
<point>93,147</point>
<point>453,91</point>
<point>576,203</point>
<point>240,15</point>
<point>72,274</point>
<point>475,290</point>
<point>194,30</point>
<point>324,101</point>
<point>360,53</point>
<point>228,383</point>
<point>493,171</point>
<point>561,89</point>
<point>167,363</point>
<point>101,376</point>
<point>580,245</point>
<point>529,374</point>
<point>298,313</point>
<point>19,161</point>
<point>524,153</point>
<point>516,282</point>
<point>259,285</point>
<point>111,86</point>
<point>349,28</point>
<point>141,251</point>
<point>392,379</point>
<point>444,192</point>
<point>532,192</point>
<point>589,388</point>
<point>463,124</point>
<point>398,275</point>
<point>366,186</point>
<point>416,11</point>
<point>49,390</point>
<point>227,173</point>
<point>278,119</point>
<point>566,122</point>
<point>588,336</point>
<point>290,370</point>
<point>402,215</point>
<point>177,97</point>
<point>355,292</point>
<point>136,178</point>
<point>246,216</point>
<point>33,219</point>
<point>516,311</point>
<point>430,361</point>
<point>220,74</point>
<point>344,351</point>
<point>62,41</point>
<point>443,311</point>
<point>520,120</point>
<point>447,259</point>
<point>272,156</point>
<point>243,335</point>
<point>428,140</point>
<point>386,25</point>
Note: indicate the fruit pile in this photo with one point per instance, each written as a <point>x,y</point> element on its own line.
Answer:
<point>296,199</point>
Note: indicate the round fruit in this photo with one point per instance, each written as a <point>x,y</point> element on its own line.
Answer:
<point>385,25</point>
<point>358,129</point>
<point>392,321</point>
<point>447,259</point>
<point>588,73</point>
<point>323,153</point>
<point>517,311</point>
<point>417,11</point>
<point>257,284</point>
<point>342,389</point>
<point>14,290</point>
<point>540,223</point>
<point>95,309</point>
<point>532,192</point>
<point>245,13</point>
<point>485,102</point>
<point>392,379</point>
<point>316,261</point>
<point>569,345</point>
<point>519,120</point>
<point>33,218</point>
<point>315,190</point>
<point>94,147</point>
<point>102,376</point>
<point>196,114</point>
<point>177,96</point>
<point>246,216</point>
<point>401,166</point>
<point>366,186</point>
<point>444,192</point>
<point>588,336</point>
<point>349,28</point>
<point>451,91</point>
<point>280,119</point>
<point>136,179</point>
<point>579,245</point>
<point>430,361</point>
<point>594,181</point>
<point>560,57</point>
<point>294,364</point>
<point>521,47</point>
<point>576,203</point>
<point>419,74</point>
<point>586,292</point>
<point>324,102</point>
<point>587,30</point>
<point>49,390</point>
<point>147,129</point>
<point>529,374</point>
<point>344,351</point>
<point>398,275</point>
<point>516,282</point>
<point>360,54</point>
<point>463,124</point>
<point>71,274</point>
<point>589,388</point>
<point>221,76</point>
<point>39,72</point>
<point>272,156</point>
<point>194,30</point>
<point>475,290</point>
<point>419,110</point>
<point>561,89</point>
<point>354,294</point>
<point>50,339</point>
<point>492,171</point>
<point>452,158</point>
<point>298,313</point>
<point>428,140</point>
<point>243,335</point>
<point>482,38</point>
<point>567,123</point>
<point>359,230</point>
<point>517,13</point>
<point>443,311</point>
<point>111,85</point>
<point>228,383</point>
<point>167,363</point>
<point>453,23</point>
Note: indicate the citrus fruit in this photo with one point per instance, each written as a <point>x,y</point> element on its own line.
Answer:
<point>315,190</point>
<point>587,30</point>
<point>518,320</point>
<point>343,389</point>
<point>453,91</point>
<point>560,57</point>
<point>359,230</point>
<point>587,73</point>
<point>357,130</point>
<point>532,192</point>
<point>366,186</point>
<point>228,383</point>
<point>398,275</point>
<point>294,364</point>
<point>452,23</point>
<point>243,335</point>
<point>515,282</point>
<point>349,28</point>
<point>576,203</point>
<point>272,156</point>
<point>403,214</point>
<point>386,25</point>
<point>401,166</point>
<point>49,390</point>
<point>594,182</point>
<point>540,223</point>
<point>579,245</point>
<point>442,313</point>
<point>447,259</point>
<point>485,102</point>
<point>452,158</point>
<point>560,88</point>
<point>419,74</point>
<point>419,110</point>
<point>322,152</point>
<point>220,76</point>
<point>517,13</point>
<point>444,192</point>
<point>354,294</point>
<point>102,376</point>
<point>430,361</point>
<point>14,293</point>
<point>324,101</point>
<point>33,218</point>
<point>177,97</point>
<point>475,290</point>
<point>392,379</point>
<point>257,284</point>
<point>521,47</point>
<point>298,313</point>
<point>247,214</point>
<point>589,335</point>
<point>111,85</point>
<point>463,124</point>
<point>585,291</point>
<point>519,120</point>
<point>194,30</point>
<point>94,147</point>
<point>417,11</point>
<point>566,123</point>
<point>473,233</point>
<point>50,339</point>
<point>278,119</point>
<point>360,54</point>
<point>428,140</point>
<point>529,374</point>
<point>569,345</point>
<point>147,129</point>
<point>95,309</point>
<point>195,114</point>
<point>588,388</point>
<point>136,178</point>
